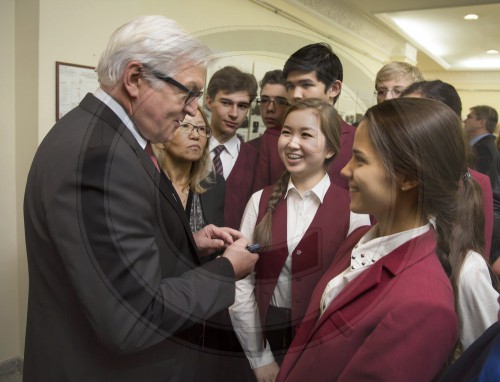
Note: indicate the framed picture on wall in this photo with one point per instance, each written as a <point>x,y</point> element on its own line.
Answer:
<point>73,82</point>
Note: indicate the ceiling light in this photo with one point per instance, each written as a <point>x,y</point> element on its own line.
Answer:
<point>471,16</point>
<point>492,51</point>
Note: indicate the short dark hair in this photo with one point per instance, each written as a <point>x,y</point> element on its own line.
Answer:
<point>273,77</point>
<point>438,90</point>
<point>231,80</point>
<point>487,113</point>
<point>318,58</point>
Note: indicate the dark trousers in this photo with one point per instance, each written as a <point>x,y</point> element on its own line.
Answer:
<point>279,331</point>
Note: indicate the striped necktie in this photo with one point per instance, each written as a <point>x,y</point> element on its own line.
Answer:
<point>217,162</point>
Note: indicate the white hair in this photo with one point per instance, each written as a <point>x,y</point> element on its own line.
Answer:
<point>155,41</point>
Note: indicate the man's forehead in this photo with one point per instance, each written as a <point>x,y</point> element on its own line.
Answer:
<point>398,82</point>
<point>192,74</point>
<point>240,96</point>
<point>296,76</point>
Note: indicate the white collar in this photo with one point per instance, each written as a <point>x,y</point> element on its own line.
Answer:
<point>118,109</point>
<point>319,189</point>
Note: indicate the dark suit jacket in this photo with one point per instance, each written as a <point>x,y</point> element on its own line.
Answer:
<point>270,166</point>
<point>239,186</point>
<point>115,288</point>
<point>395,322</point>
<point>468,367</point>
<point>486,153</point>
<point>212,202</point>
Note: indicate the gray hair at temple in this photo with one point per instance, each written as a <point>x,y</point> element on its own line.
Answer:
<point>155,41</point>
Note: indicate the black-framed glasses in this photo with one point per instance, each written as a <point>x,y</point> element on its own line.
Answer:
<point>396,92</point>
<point>277,102</point>
<point>191,94</point>
<point>187,128</point>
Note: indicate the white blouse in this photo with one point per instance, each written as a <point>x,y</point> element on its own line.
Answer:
<point>301,209</point>
<point>477,299</point>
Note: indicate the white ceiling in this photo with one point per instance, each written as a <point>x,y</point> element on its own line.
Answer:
<point>438,30</point>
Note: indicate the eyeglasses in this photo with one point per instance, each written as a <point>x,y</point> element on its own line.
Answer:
<point>277,102</point>
<point>191,94</point>
<point>396,92</point>
<point>188,128</point>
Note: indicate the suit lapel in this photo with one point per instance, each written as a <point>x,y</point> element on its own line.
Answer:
<point>159,179</point>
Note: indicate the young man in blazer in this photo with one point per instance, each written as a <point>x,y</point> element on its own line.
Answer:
<point>313,71</point>
<point>230,93</point>
<point>117,292</point>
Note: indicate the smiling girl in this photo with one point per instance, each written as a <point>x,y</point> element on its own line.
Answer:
<point>384,310</point>
<point>300,222</point>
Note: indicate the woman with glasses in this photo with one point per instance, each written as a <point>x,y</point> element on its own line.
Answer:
<point>185,159</point>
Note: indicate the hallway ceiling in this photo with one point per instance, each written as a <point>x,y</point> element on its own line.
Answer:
<point>438,30</point>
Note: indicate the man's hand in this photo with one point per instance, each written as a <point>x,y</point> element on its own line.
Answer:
<point>267,373</point>
<point>243,261</point>
<point>212,238</point>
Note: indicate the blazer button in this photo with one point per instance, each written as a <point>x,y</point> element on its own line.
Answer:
<point>299,252</point>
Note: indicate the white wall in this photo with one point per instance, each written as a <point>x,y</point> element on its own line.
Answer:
<point>77,31</point>
<point>9,290</point>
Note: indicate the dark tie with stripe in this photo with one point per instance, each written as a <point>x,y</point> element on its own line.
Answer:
<point>217,162</point>
<point>152,155</point>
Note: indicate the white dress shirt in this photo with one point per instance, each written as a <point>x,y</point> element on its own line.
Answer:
<point>368,251</point>
<point>122,114</point>
<point>477,299</point>
<point>229,155</point>
<point>301,209</point>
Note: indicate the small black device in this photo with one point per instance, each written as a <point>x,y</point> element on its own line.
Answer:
<point>253,247</point>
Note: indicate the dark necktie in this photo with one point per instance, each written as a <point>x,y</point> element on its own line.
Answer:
<point>217,162</point>
<point>151,154</point>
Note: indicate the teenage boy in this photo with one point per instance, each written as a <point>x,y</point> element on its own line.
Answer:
<point>230,93</point>
<point>393,78</point>
<point>313,71</point>
<point>272,103</point>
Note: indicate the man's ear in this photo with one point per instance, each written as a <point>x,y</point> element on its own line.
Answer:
<point>334,89</point>
<point>208,102</point>
<point>132,78</point>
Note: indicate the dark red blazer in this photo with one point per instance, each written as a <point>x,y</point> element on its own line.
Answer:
<point>312,255</point>
<point>239,186</point>
<point>270,167</point>
<point>395,322</point>
<point>255,143</point>
<point>484,182</point>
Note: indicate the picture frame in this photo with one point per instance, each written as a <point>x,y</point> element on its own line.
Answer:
<point>73,82</point>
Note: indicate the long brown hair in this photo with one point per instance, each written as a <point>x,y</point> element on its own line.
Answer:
<point>424,139</point>
<point>331,129</point>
